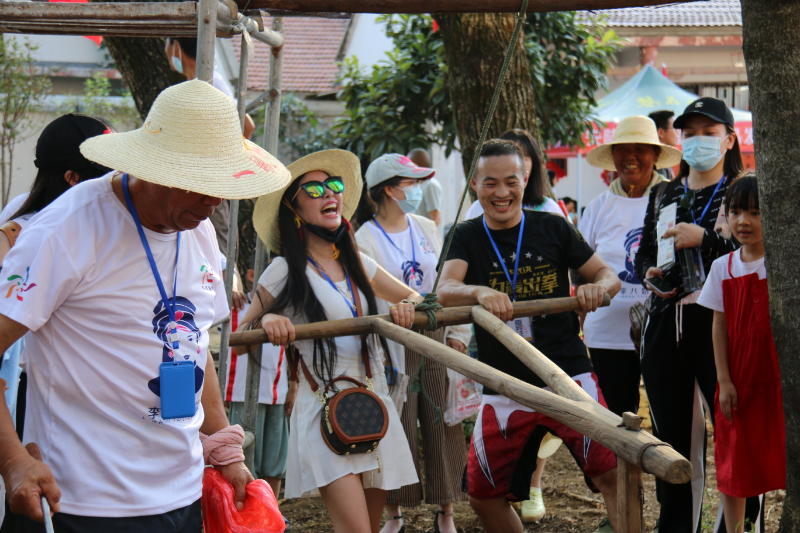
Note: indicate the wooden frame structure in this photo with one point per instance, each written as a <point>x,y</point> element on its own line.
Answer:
<point>636,450</point>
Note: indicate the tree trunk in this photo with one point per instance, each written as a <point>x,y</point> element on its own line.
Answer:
<point>771,42</point>
<point>475,46</point>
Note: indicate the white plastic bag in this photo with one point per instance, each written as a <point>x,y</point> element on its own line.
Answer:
<point>464,398</point>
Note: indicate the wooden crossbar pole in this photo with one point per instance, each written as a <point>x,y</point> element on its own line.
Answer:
<point>449,316</point>
<point>117,11</point>
<point>598,424</point>
<point>444,6</point>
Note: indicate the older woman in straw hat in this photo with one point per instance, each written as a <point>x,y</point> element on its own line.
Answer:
<point>115,281</point>
<point>319,276</point>
<point>612,225</point>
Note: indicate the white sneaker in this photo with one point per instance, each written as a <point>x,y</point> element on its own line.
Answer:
<point>533,509</point>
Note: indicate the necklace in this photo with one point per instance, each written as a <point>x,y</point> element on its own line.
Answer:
<point>335,285</point>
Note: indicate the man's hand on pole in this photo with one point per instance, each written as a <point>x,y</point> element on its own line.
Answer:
<point>27,480</point>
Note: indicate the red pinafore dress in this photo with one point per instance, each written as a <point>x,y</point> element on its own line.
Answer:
<point>750,452</point>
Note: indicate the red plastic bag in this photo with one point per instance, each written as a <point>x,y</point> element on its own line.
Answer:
<point>260,513</point>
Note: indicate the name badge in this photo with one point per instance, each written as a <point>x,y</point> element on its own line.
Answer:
<point>522,327</point>
<point>177,389</point>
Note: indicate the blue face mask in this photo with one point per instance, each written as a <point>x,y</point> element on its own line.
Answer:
<point>178,64</point>
<point>413,199</point>
<point>702,152</point>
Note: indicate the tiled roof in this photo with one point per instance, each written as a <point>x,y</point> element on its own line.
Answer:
<point>705,13</point>
<point>309,60</point>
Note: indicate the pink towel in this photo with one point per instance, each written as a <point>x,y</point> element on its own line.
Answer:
<point>223,447</point>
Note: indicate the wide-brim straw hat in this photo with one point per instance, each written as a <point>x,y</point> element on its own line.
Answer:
<point>192,140</point>
<point>634,130</point>
<point>334,163</point>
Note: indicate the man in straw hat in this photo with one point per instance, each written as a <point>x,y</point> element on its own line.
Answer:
<point>117,282</point>
<point>510,254</point>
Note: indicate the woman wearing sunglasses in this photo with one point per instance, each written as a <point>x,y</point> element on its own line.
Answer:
<point>677,353</point>
<point>319,276</point>
<point>408,247</point>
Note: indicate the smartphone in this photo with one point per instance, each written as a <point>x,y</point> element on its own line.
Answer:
<point>658,286</point>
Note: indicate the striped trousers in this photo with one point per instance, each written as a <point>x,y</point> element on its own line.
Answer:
<point>443,447</point>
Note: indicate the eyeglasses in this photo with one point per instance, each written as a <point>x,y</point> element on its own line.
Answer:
<point>316,189</point>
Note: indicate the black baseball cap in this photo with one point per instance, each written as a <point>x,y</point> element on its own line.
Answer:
<point>58,147</point>
<point>713,108</point>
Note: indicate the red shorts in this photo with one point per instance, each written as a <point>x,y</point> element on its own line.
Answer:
<point>505,443</point>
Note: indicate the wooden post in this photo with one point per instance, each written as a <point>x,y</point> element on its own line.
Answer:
<point>594,421</point>
<point>206,37</point>
<point>449,316</point>
<point>630,498</point>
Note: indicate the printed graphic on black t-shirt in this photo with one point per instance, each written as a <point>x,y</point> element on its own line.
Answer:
<point>550,247</point>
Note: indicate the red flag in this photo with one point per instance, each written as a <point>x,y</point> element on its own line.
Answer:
<point>664,70</point>
<point>96,38</point>
<point>435,26</point>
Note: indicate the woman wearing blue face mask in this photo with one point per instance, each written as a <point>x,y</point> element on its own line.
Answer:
<point>408,247</point>
<point>677,357</point>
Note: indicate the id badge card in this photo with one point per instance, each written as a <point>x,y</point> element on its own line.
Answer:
<point>522,327</point>
<point>177,389</point>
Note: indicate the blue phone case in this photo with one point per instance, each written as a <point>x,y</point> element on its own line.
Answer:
<point>177,390</point>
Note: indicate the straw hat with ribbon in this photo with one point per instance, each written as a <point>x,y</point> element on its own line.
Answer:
<point>192,140</point>
<point>334,163</point>
<point>634,130</point>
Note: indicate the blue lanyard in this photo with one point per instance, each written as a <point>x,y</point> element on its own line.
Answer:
<point>413,247</point>
<point>705,210</point>
<point>332,284</point>
<point>516,256</point>
<point>172,336</point>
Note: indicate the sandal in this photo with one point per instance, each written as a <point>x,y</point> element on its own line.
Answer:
<point>436,520</point>
<point>403,527</point>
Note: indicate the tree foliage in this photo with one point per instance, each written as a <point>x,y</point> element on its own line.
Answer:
<point>402,102</point>
<point>100,100</point>
<point>21,92</point>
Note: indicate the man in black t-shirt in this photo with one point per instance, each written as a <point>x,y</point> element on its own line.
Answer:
<point>532,252</point>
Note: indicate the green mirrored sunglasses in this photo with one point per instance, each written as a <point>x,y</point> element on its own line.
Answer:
<point>316,189</point>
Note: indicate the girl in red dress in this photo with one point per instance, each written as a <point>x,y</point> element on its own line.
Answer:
<point>750,441</point>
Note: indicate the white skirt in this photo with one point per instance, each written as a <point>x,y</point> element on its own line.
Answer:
<point>311,464</point>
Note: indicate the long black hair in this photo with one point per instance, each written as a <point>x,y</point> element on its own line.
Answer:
<point>733,165</point>
<point>371,200</point>
<point>297,293</point>
<point>49,185</point>
<point>536,188</point>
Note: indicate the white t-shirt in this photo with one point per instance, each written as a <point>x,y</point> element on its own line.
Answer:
<point>549,205</point>
<point>612,226</point>
<point>79,279</point>
<point>12,207</point>
<point>431,198</point>
<point>398,263</point>
<point>711,296</point>
<point>218,81</point>
<point>274,383</point>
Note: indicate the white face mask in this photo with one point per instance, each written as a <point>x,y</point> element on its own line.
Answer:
<point>177,64</point>
<point>702,152</point>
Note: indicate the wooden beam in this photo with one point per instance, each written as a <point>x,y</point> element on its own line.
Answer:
<point>598,424</point>
<point>42,11</point>
<point>449,316</point>
<point>443,6</point>
<point>630,498</point>
<point>107,31</point>
<point>557,379</point>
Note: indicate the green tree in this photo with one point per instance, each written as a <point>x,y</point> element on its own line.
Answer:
<point>96,101</point>
<point>403,102</point>
<point>21,92</point>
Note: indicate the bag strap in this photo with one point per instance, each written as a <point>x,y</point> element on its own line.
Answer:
<point>12,230</point>
<point>298,358</point>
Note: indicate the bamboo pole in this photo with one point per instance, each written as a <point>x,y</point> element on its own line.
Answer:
<point>444,6</point>
<point>206,37</point>
<point>449,316</point>
<point>120,11</point>
<point>598,424</point>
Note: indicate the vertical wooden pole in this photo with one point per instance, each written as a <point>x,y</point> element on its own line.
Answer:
<point>206,38</point>
<point>630,498</point>
<point>271,125</point>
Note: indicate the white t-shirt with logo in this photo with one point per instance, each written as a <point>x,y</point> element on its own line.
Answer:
<point>274,382</point>
<point>398,263</point>
<point>711,296</point>
<point>612,225</point>
<point>79,279</point>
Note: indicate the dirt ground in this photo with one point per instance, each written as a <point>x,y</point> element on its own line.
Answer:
<point>571,506</point>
